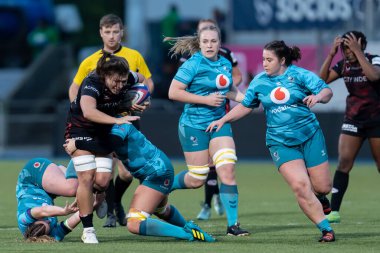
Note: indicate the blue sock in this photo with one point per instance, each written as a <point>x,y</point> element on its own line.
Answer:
<point>70,171</point>
<point>324,225</point>
<point>154,227</point>
<point>175,217</point>
<point>179,181</point>
<point>230,198</point>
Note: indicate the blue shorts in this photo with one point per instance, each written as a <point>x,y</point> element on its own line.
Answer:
<point>193,139</point>
<point>313,151</point>
<point>162,179</point>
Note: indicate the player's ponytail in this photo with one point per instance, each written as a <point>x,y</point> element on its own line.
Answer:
<point>281,50</point>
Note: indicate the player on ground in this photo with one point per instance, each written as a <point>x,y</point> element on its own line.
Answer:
<point>39,182</point>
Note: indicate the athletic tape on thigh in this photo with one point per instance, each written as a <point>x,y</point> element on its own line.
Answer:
<point>198,172</point>
<point>136,214</point>
<point>224,156</point>
<point>84,162</point>
<point>103,164</point>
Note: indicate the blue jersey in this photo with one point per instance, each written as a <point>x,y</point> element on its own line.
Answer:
<point>30,193</point>
<point>138,154</point>
<point>204,77</point>
<point>289,120</point>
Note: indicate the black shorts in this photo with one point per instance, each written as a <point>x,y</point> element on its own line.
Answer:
<point>355,129</point>
<point>99,140</point>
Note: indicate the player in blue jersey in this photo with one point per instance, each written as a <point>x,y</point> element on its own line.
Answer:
<point>203,83</point>
<point>361,74</point>
<point>39,182</point>
<point>294,137</point>
<point>155,172</point>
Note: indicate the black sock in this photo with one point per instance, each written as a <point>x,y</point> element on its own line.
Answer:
<point>110,197</point>
<point>211,185</point>
<point>120,187</point>
<point>87,221</point>
<point>340,185</point>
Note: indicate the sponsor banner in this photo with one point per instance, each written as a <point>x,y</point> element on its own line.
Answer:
<point>296,14</point>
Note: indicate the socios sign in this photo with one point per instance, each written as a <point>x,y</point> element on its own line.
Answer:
<point>298,14</point>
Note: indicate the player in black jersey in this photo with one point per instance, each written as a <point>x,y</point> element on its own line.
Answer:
<point>211,185</point>
<point>91,117</point>
<point>361,74</point>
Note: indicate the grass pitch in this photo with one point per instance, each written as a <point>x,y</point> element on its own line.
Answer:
<point>267,209</point>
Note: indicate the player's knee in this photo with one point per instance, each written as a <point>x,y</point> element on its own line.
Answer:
<point>134,218</point>
<point>103,164</point>
<point>199,173</point>
<point>224,156</point>
<point>84,163</point>
<point>162,212</point>
<point>125,176</point>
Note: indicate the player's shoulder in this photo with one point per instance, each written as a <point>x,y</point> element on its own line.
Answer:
<point>129,52</point>
<point>373,58</point>
<point>93,57</point>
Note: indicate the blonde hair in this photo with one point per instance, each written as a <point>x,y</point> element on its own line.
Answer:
<point>188,44</point>
<point>41,239</point>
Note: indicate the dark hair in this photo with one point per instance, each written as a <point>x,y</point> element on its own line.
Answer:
<point>110,20</point>
<point>35,230</point>
<point>110,64</point>
<point>282,50</point>
<point>358,35</point>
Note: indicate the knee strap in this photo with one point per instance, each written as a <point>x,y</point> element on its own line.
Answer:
<point>84,162</point>
<point>137,214</point>
<point>103,164</point>
<point>198,172</point>
<point>224,156</point>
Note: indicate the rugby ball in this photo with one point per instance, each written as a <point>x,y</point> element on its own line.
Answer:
<point>138,94</point>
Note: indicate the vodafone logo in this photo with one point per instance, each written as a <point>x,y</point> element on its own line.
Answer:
<point>280,95</point>
<point>222,81</point>
<point>36,165</point>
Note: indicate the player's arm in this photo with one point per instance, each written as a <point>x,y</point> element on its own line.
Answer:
<point>177,91</point>
<point>237,77</point>
<point>90,112</point>
<point>326,74</point>
<point>238,112</point>
<point>150,84</point>
<point>73,91</point>
<point>235,95</point>
<point>50,211</point>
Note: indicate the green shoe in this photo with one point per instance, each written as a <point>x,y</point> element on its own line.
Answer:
<point>333,217</point>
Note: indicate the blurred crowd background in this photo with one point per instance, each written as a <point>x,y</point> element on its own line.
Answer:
<point>42,43</point>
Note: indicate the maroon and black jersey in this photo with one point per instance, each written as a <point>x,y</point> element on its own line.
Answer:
<point>106,101</point>
<point>363,100</point>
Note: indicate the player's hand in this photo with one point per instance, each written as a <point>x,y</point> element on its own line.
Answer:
<point>141,108</point>
<point>311,100</point>
<point>215,99</point>
<point>70,147</point>
<point>353,43</point>
<point>337,42</point>
<point>126,119</point>
<point>218,124</point>
<point>70,208</point>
